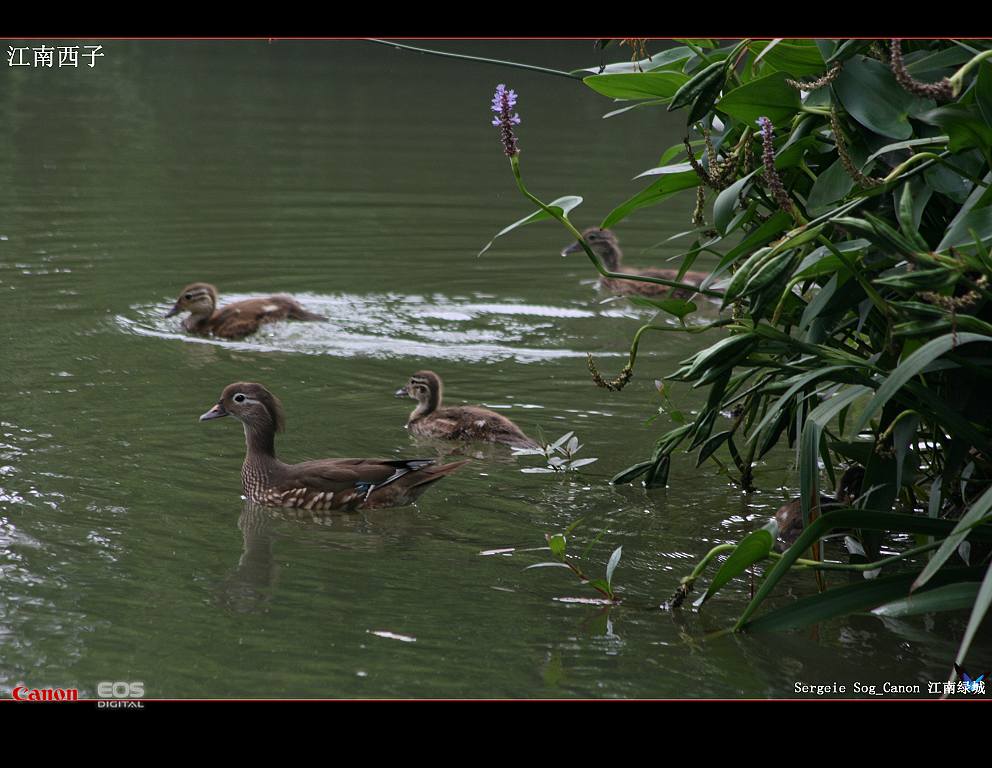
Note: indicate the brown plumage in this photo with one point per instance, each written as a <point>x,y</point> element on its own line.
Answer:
<point>790,516</point>
<point>463,422</point>
<point>235,320</point>
<point>604,244</point>
<point>319,486</point>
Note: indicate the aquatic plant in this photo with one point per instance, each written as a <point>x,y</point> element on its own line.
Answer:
<point>558,545</point>
<point>559,455</point>
<point>851,234</point>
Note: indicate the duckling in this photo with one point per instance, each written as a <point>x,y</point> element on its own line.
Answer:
<point>319,486</point>
<point>233,321</point>
<point>604,244</point>
<point>790,516</point>
<point>463,422</point>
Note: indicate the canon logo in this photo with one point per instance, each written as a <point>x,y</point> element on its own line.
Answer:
<point>23,693</point>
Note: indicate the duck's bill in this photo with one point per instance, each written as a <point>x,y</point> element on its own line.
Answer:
<point>401,392</point>
<point>214,413</point>
<point>174,311</point>
<point>575,247</point>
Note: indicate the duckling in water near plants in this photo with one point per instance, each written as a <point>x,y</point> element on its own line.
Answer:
<point>790,516</point>
<point>463,422</point>
<point>604,244</point>
<point>233,321</point>
<point>326,485</point>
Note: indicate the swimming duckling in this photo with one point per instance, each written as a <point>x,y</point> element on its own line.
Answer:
<point>326,485</point>
<point>236,320</point>
<point>790,516</point>
<point>604,244</point>
<point>463,422</point>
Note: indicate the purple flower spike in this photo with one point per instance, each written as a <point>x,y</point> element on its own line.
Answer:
<point>772,178</point>
<point>503,102</point>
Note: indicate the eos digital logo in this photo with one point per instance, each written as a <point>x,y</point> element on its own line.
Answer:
<point>119,695</point>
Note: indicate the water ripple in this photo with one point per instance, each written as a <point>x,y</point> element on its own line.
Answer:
<point>391,325</point>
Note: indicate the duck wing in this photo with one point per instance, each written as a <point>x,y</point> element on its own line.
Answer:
<point>470,422</point>
<point>241,318</point>
<point>332,484</point>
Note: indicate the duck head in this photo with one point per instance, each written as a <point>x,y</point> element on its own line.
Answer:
<point>251,404</point>
<point>199,299</point>
<point>603,243</point>
<point>426,388</point>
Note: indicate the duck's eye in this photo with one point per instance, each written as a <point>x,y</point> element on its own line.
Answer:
<point>188,296</point>
<point>239,398</point>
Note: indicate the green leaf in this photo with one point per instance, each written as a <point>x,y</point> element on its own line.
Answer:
<point>769,96</point>
<point>840,601</point>
<point>602,586</point>
<point>635,105</point>
<point>775,225</point>
<point>830,186</point>
<point>911,366</point>
<point>799,58</point>
<point>895,146</point>
<point>847,50</point>
<point>983,92</point>
<point>637,85</point>
<point>947,182</point>
<point>611,566</point>
<point>977,615</point>
<point>664,60</point>
<point>812,437</point>
<point>798,382</point>
<point>752,548</point>
<point>557,545</point>
<point>976,512</point>
<point>678,307</point>
<point>871,95</point>
<point>563,205</point>
<point>929,66</point>
<point>912,201</point>
<point>664,187</point>
<point>726,203</point>
<point>711,444</point>
<point>964,126</point>
<point>665,170</point>
<point>657,476</point>
<point>959,235</point>
<point>953,597</point>
<point>700,82</point>
<point>631,473</point>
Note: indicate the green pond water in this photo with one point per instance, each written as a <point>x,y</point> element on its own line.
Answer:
<point>364,181</point>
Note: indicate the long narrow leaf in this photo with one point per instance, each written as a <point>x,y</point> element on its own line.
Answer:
<point>849,518</point>
<point>977,511</point>
<point>977,615</point>
<point>848,599</point>
<point>953,597</point>
<point>913,365</point>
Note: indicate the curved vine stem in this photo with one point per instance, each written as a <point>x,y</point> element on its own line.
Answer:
<point>480,59</point>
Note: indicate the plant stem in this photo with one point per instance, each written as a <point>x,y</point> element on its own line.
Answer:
<point>957,78</point>
<point>480,59</point>
<point>596,262</point>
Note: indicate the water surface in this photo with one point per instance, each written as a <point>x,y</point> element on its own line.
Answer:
<point>364,181</point>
